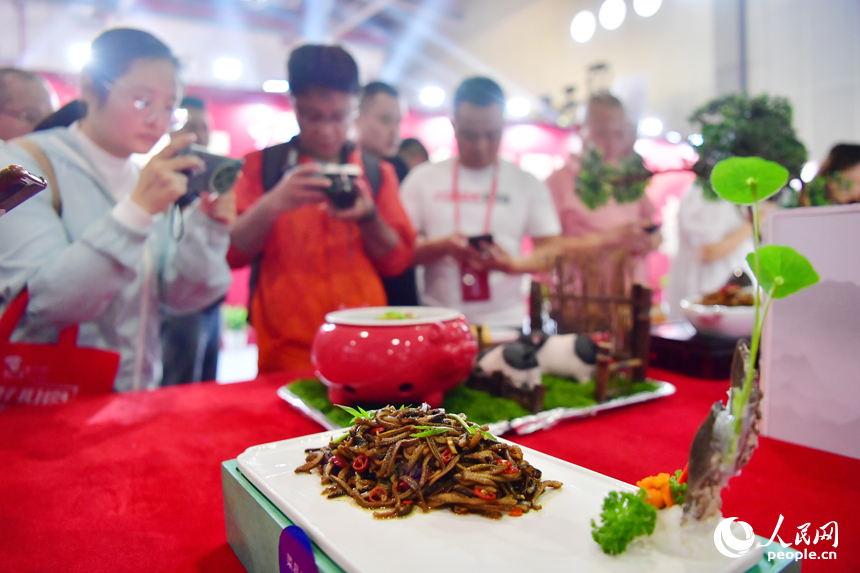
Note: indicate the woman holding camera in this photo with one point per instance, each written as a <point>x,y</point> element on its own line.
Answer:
<point>96,248</point>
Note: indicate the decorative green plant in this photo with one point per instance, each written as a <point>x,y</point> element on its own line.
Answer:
<point>597,181</point>
<point>235,317</point>
<point>780,270</point>
<point>744,126</point>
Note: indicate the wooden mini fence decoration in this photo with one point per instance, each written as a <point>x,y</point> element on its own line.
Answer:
<point>593,293</point>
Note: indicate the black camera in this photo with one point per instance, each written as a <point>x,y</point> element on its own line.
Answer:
<point>218,176</point>
<point>343,192</point>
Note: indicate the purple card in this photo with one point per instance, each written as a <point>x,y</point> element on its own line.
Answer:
<point>295,553</point>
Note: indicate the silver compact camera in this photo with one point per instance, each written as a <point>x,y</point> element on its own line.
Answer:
<point>343,192</point>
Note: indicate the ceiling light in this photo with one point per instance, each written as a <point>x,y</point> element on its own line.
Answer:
<point>79,55</point>
<point>432,96</point>
<point>518,107</point>
<point>673,137</point>
<point>646,8</point>
<point>582,27</point>
<point>276,86</point>
<point>652,127</point>
<point>612,13</point>
<point>696,139</point>
<point>227,69</point>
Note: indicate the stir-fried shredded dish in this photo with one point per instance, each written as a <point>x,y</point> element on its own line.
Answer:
<point>392,460</point>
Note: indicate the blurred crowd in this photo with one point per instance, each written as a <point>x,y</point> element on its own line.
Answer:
<point>99,248</point>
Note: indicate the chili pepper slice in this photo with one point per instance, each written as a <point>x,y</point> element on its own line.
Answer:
<point>360,463</point>
<point>515,512</point>
<point>339,461</point>
<point>485,495</point>
<point>510,469</point>
<point>447,455</point>
<point>377,494</point>
<point>406,502</point>
<point>402,487</point>
<point>377,430</point>
<point>683,478</point>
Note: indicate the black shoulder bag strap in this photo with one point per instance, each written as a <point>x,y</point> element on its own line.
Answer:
<point>277,160</point>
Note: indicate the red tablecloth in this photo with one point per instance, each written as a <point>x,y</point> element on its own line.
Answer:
<point>131,482</point>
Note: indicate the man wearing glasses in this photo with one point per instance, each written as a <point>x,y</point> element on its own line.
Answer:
<point>24,102</point>
<point>309,256</point>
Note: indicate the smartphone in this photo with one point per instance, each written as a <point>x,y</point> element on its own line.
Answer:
<point>16,186</point>
<point>478,241</point>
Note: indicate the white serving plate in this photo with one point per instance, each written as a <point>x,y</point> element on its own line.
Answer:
<point>717,319</point>
<point>557,538</point>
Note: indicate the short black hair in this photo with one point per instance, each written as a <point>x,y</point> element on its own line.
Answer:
<point>319,66</point>
<point>372,89</point>
<point>412,145</point>
<point>191,101</point>
<point>479,91</point>
<point>113,52</point>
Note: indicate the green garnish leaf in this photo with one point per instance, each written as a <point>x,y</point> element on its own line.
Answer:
<point>489,436</point>
<point>746,180</point>
<point>463,423</point>
<point>678,490</point>
<point>356,414</point>
<point>624,517</point>
<point>339,439</point>
<point>431,431</point>
<point>783,270</point>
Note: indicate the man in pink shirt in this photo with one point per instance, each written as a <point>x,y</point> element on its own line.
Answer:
<point>615,223</point>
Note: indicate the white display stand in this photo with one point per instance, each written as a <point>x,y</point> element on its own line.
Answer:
<point>811,348</point>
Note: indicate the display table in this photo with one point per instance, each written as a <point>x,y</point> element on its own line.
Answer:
<point>132,482</point>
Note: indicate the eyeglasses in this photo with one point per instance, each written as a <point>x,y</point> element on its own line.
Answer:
<point>28,116</point>
<point>149,110</point>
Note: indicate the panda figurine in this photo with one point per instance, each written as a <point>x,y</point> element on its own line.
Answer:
<point>567,355</point>
<point>517,361</point>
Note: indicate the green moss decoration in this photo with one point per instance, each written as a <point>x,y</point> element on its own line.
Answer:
<point>479,406</point>
<point>315,394</point>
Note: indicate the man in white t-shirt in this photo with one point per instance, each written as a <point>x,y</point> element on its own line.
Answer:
<point>473,195</point>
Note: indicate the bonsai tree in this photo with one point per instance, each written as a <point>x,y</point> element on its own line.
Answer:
<point>743,126</point>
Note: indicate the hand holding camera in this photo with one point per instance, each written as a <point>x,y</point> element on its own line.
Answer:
<point>349,196</point>
<point>162,182</point>
<point>302,185</point>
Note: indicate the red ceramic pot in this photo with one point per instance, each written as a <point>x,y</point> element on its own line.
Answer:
<point>363,358</point>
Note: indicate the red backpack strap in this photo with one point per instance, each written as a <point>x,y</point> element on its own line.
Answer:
<point>12,315</point>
